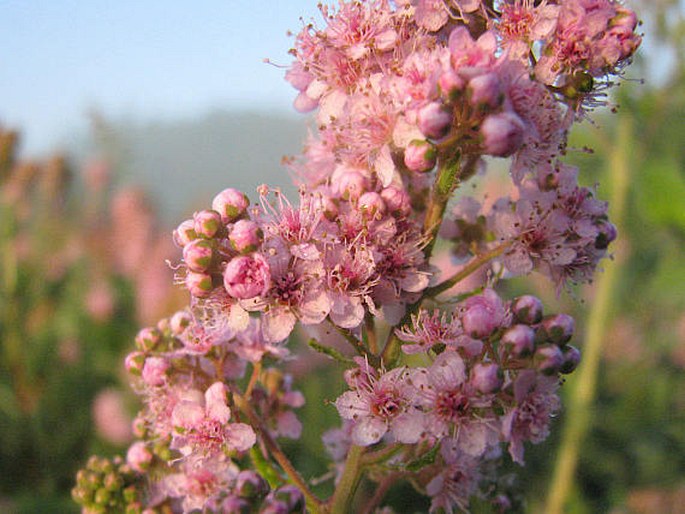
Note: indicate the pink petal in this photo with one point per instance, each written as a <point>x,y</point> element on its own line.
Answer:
<point>368,431</point>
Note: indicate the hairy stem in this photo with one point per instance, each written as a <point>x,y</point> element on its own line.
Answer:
<point>585,379</point>
<point>341,501</point>
<point>443,186</point>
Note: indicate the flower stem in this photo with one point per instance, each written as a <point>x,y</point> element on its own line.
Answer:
<point>585,378</point>
<point>442,190</point>
<point>314,504</point>
<point>445,182</point>
<point>464,272</point>
<point>341,501</point>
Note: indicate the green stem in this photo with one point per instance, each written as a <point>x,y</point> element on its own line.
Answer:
<point>341,501</point>
<point>442,190</point>
<point>445,181</point>
<point>464,272</point>
<point>585,380</point>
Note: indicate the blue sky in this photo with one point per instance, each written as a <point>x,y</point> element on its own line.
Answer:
<point>143,60</point>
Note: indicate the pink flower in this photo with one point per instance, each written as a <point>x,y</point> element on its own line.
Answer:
<point>378,405</point>
<point>536,403</point>
<point>427,330</point>
<point>201,424</point>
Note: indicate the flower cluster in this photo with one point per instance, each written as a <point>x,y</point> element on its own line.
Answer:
<point>411,96</point>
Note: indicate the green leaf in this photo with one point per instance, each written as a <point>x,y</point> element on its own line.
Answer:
<point>265,468</point>
<point>424,460</point>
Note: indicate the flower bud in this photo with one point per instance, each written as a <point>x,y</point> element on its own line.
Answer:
<point>548,359</point>
<point>245,236</point>
<point>231,204</point>
<point>139,457</point>
<point>274,507</point>
<point>198,255</point>
<point>134,363</point>
<point>154,371</point>
<point>199,284</point>
<point>350,184</point>
<point>250,484</point>
<point>434,120</point>
<point>527,309</point>
<point>185,233</point>
<point>607,234</point>
<point>420,156</point>
<point>485,91</point>
<point>502,134</point>
<point>179,322</point>
<point>451,85</point>
<point>519,340</point>
<point>571,359</point>
<point>372,203</point>
<point>559,328</point>
<point>397,200</point>
<point>291,496</point>
<point>487,378</point>
<point>482,315</point>
<point>207,223</point>
<point>148,338</point>
<point>247,276</point>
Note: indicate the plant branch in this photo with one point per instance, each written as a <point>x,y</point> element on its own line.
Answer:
<point>313,501</point>
<point>468,269</point>
<point>341,501</point>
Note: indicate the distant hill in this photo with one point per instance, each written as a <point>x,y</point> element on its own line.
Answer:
<point>184,163</point>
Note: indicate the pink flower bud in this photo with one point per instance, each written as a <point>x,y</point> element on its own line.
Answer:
<point>198,255</point>
<point>231,204</point>
<point>487,378</point>
<point>571,359</point>
<point>548,359</point>
<point>420,156</point>
<point>624,18</point>
<point>483,314</point>
<point>485,91</point>
<point>350,184</point>
<point>397,200</point>
<point>147,338</point>
<point>245,236</point>
<point>372,203</point>
<point>179,322</point>
<point>185,233</point>
<point>502,134</point>
<point>134,363</point>
<point>559,328</point>
<point>154,371</point>
<point>527,309</point>
<point>250,484</point>
<point>199,285</point>
<point>451,85</point>
<point>247,276</point>
<point>434,120</point>
<point>139,457</point>
<point>607,233</point>
<point>519,340</point>
<point>207,223</point>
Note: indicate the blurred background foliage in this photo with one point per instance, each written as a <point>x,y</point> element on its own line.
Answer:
<point>82,268</point>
